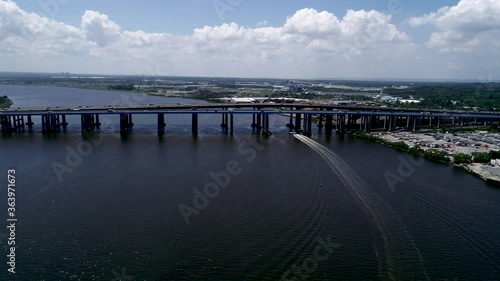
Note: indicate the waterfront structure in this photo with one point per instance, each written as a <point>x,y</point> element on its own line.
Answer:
<point>302,116</point>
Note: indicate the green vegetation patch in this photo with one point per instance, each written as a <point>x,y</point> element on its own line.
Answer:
<point>5,102</point>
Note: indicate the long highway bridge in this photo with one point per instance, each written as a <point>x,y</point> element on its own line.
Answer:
<point>302,116</point>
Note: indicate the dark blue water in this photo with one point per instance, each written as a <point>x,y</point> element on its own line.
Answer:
<point>107,209</point>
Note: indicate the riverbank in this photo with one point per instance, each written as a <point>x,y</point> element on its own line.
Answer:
<point>490,174</point>
<point>431,154</point>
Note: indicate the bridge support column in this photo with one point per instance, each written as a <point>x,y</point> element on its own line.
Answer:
<point>298,119</point>
<point>304,122</point>
<point>97,122</point>
<point>253,120</point>
<point>231,124</point>
<point>161,124</point>
<point>266,132</point>
<point>342,125</point>
<point>290,124</point>
<point>328,124</point>
<point>55,123</point>
<point>124,125</point>
<point>309,124</point>
<point>6,125</point>
<point>226,122</point>
<point>46,124</point>
<point>194,124</point>
<point>64,122</point>
<point>320,121</point>
<point>30,122</point>
<point>367,121</point>
<point>88,124</point>
<point>259,123</point>
<point>391,123</point>
<point>223,122</point>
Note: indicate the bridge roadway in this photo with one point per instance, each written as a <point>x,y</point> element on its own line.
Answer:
<point>301,116</point>
<point>263,108</point>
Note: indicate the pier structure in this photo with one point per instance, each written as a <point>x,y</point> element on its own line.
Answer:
<point>300,118</point>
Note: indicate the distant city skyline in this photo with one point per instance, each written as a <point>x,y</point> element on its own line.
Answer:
<point>389,39</point>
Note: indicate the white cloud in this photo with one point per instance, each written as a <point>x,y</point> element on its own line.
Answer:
<point>465,27</point>
<point>310,43</point>
<point>99,29</point>
<point>262,23</point>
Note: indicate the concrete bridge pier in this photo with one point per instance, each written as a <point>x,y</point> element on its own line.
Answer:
<point>259,123</point>
<point>194,124</point>
<point>231,124</point>
<point>64,123</point>
<point>341,126</point>
<point>298,119</point>
<point>320,121</point>
<point>55,123</point>
<point>30,122</point>
<point>223,122</point>
<point>97,123</point>
<point>309,125</point>
<point>266,131</point>
<point>19,123</point>
<point>329,125</point>
<point>48,125</point>
<point>226,122</point>
<point>367,123</point>
<point>304,121</point>
<point>416,123</point>
<point>161,124</point>
<point>392,123</point>
<point>88,124</point>
<point>125,124</point>
<point>6,125</point>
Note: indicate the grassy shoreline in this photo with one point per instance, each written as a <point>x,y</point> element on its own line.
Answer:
<point>430,154</point>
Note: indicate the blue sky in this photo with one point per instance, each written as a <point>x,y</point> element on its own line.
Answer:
<point>425,39</point>
<point>183,16</point>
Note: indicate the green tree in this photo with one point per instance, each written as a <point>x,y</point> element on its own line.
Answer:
<point>482,158</point>
<point>460,158</point>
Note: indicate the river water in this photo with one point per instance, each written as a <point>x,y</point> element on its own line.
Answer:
<point>282,208</point>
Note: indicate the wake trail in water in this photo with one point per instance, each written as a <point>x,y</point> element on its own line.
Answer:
<point>473,239</point>
<point>403,260</point>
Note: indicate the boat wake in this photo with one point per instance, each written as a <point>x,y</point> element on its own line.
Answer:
<point>398,256</point>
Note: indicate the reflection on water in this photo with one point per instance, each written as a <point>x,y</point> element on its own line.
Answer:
<point>114,213</point>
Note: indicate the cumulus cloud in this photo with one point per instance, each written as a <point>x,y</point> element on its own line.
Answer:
<point>99,29</point>
<point>308,44</point>
<point>469,25</point>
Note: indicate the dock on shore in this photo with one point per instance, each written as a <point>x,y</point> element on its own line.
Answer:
<point>488,173</point>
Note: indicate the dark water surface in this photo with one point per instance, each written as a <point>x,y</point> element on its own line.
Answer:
<point>108,209</point>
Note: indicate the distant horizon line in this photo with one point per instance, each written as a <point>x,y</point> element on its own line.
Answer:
<point>432,80</point>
